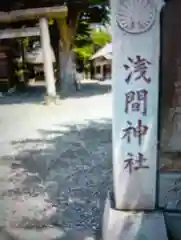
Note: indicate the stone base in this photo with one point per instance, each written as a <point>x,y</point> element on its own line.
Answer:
<point>50,100</point>
<point>124,225</point>
<point>173,223</point>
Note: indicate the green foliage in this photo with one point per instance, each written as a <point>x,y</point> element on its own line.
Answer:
<point>84,52</point>
<point>83,34</point>
<point>92,41</point>
<point>100,38</point>
<point>98,13</point>
<point>87,41</point>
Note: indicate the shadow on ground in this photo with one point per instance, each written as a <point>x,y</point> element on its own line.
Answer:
<point>89,89</point>
<point>72,167</point>
<point>36,93</point>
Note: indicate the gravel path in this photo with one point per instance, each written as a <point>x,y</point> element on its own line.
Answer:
<point>55,159</point>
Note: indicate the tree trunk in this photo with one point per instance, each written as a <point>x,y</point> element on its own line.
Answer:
<point>67,28</point>
<point>66,72</point>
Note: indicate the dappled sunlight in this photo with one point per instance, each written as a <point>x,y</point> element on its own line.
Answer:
<point>35,93</point>
<point>70,168</point>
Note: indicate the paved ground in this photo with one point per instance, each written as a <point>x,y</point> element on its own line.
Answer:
<point>55,159</point>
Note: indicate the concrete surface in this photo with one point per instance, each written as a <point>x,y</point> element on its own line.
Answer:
<point>55,161</point>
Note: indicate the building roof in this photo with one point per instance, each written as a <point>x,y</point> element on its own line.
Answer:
<point>105,52</point>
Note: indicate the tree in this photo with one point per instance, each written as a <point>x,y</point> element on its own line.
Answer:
<point>79,18</point>
<point>86,45</point>
<point>84,52</point>
<point>100,38</point>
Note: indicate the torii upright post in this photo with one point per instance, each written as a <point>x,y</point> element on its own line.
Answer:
<point>135,71</point>
<point>48,61</point>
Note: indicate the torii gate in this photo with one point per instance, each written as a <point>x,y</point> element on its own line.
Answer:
<point>41,14</point>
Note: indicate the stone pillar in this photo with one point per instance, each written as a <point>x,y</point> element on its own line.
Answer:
<point>48,61</point>
<point>135,83</point>
<point>136,51</point>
